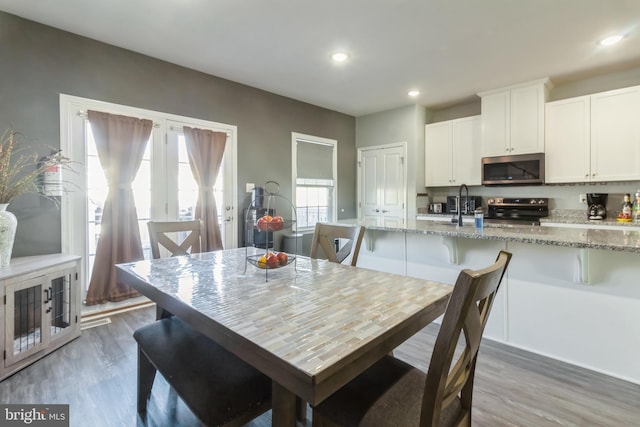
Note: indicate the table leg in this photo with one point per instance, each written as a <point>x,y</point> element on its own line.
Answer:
<point>283,406</point>
<point>301,410</point>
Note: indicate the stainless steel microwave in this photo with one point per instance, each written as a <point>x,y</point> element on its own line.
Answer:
<point>521,169</point>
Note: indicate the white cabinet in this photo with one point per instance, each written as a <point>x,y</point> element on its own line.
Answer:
<point>513,119</point>
<point>452,152</point>
<point>40,310</point>
<point>568,140</point>
<point>615,135</point>
<point>594,138</point>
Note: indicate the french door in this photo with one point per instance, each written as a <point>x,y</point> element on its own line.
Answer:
<point>164,187</point>
<point>382,183</point>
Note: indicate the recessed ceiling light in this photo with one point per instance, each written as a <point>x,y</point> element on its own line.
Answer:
<point>611,40</point>
<point>339,56</point>
<point>414,93</point>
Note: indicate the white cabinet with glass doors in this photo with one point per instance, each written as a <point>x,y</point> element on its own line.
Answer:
<point>41,309</point>
<point>452,152</point>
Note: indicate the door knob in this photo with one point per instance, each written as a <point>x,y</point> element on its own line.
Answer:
<point>228,219</point>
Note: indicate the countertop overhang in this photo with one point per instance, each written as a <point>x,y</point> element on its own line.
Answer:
<point>623,239</point>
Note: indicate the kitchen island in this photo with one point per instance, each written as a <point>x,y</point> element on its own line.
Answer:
<point>572,294</point>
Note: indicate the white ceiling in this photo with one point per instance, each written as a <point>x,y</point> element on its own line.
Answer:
<point>448,49</point>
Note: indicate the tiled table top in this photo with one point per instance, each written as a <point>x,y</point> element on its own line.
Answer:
<point>310,314</point>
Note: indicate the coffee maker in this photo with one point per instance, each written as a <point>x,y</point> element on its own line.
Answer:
<point>597,206</point>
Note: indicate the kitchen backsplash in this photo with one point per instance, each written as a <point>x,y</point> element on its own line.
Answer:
<point>561,197</point>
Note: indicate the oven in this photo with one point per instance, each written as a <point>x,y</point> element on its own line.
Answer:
<point>516,210</point>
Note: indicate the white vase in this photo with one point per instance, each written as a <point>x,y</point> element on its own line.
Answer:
<point>8,224</point>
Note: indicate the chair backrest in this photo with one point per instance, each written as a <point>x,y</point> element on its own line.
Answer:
<point>466,314</point>
<point>159,235</point>
<point>324,239</point>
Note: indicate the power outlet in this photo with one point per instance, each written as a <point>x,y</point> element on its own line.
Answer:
<point>249,186</point>
<point>583,198</point>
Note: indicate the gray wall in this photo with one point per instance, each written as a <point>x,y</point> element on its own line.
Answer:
<point>37,63</point>
<point>405,124</point>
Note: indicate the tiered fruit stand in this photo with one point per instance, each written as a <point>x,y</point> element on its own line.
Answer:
<point>270,202</point>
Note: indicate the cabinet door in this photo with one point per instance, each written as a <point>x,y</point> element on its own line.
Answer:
<point>567,145</point>
<point>527,120</point>
<point>437,151</point>
<point>496,124</point>
<point>26,329</point>
<point>62,315</point>
<point>615,135</point>
<point>466,151</point>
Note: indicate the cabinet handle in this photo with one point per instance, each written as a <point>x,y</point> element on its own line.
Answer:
<point>384,211</point>
<point>593,174</point>
<point>46,296</point>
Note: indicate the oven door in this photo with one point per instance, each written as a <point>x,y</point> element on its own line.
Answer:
<point>515,213</point>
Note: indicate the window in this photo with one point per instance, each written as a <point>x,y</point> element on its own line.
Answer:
<point>164,187</point>
<point>314,165</point>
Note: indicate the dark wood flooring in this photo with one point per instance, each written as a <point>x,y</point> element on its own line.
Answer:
<point>96,376</point>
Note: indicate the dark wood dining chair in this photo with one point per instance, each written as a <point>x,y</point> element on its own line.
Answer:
<point>394,393</point>
<point>160,234</point>
<point>324,237</point>
<point>217,386</point>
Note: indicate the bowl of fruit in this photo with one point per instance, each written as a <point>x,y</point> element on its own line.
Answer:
<point>268,222</point>
<point>271,260</point>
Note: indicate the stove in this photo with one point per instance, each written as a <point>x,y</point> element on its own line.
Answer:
<point>516,210</point>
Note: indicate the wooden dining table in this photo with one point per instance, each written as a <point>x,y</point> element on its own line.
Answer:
<point>311,326</point>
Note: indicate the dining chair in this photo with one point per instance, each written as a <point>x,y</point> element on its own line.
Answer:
<point>219,388</point>
<point>159,234</point>
<point>394,393</point>
<point>324,238</point>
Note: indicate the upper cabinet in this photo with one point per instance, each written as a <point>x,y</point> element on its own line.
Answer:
<point>594,138</point>
<point>452,152</point>
<point>615,135</point>
<point>513,119</point>
<point>568,140</point>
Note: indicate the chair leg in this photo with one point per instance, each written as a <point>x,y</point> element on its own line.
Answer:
<point>146,375</point>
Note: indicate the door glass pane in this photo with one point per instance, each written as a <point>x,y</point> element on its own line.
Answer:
<point>60,304</point>
<point>27,319</point>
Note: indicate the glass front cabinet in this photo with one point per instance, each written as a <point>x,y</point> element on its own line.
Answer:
<point>41,309</point>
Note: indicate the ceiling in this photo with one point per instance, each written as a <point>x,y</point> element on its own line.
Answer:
<point>449,50</point>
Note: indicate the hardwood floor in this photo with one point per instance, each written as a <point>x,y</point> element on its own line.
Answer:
<point>96,376</point>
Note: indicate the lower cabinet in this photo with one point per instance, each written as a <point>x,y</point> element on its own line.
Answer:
<point>40,310</point>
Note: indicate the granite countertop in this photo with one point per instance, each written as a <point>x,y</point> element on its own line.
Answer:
<point>618,239</point>
<point>572,216</point>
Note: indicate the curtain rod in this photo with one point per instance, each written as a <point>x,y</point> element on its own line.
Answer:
<point>84,115</point>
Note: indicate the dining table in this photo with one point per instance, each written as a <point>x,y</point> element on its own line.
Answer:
<point>311,325</point>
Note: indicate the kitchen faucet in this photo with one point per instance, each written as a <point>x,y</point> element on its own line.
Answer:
<point>460,202</point>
